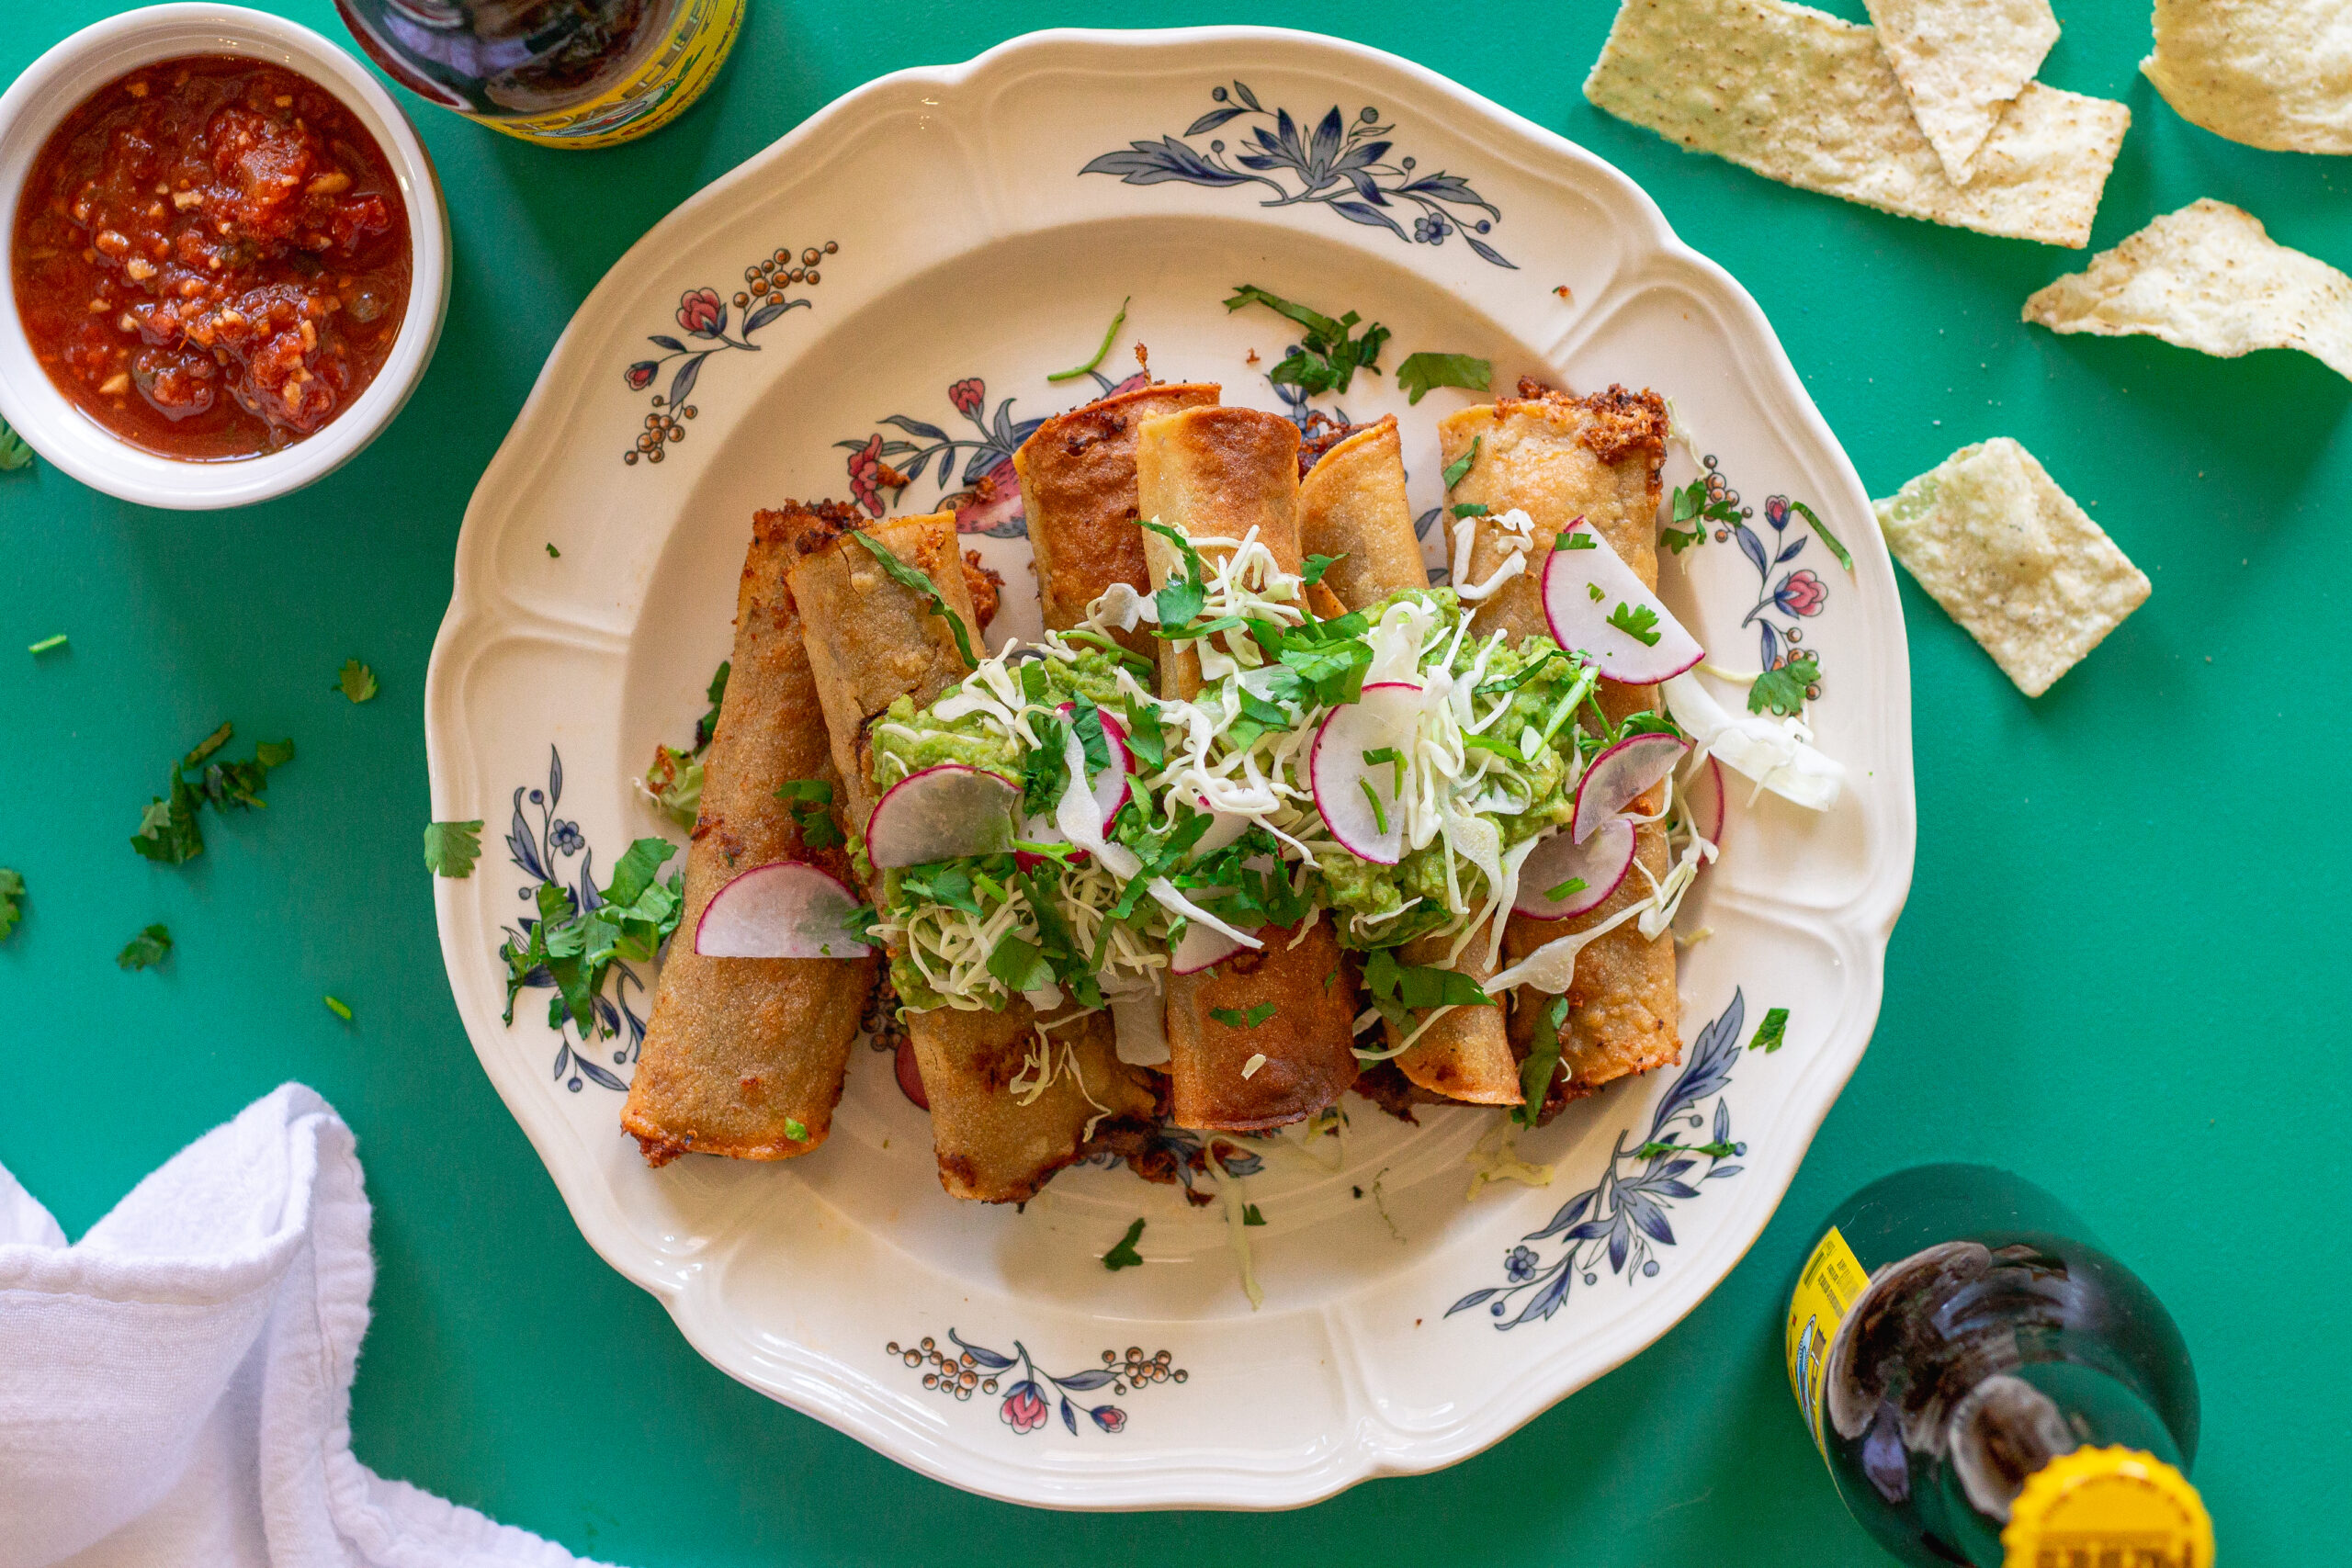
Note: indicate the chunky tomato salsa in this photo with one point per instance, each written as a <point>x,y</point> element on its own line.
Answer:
<point>211,257</point>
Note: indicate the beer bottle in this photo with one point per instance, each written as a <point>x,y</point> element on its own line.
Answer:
<point>1989,1387</point>
<point>563,72</point>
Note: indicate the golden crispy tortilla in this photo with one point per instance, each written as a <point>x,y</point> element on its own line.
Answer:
<point>2274,74</point>
<point>1961,62</point>
<point>743,1056</point>
<point>2011,558</point>
<point>1352,507</point>
<point>2206,277</point>
<point>1811,101</point>
<point>1308,1040</point>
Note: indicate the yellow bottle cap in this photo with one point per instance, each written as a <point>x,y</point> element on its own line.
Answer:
<point>2096,1507</point>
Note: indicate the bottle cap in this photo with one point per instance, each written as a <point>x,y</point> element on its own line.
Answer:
<point>2107,1504</point>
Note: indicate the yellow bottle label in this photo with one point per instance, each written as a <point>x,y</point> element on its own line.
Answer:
<point>1826,1290</point>
<point>2100,1506</point>
<point>672,76</point>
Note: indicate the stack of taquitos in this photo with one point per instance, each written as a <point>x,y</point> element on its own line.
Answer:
<point>1558,457</point>
<point>871,641</point>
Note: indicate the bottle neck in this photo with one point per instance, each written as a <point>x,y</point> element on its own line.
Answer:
<point>2016,1422</point>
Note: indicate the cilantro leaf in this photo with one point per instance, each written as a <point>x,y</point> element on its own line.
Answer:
<point>1542,1062</point>
<point>1145,737</point>
<point>1482,742</point>
<point>1233,1018</point>
<point>147,949</point>
<point>554,554</point>
<point>14,453</point>
<point>451,848</point>
<point>338,1007</point>
<point>1315,566</point>
<point>1399,988</point>
<point>922,587</point>
<point>1783,689</point>
<point>1020,963</point>
<point>811,807</point>
<point>1250,1216</point>
<point>168,831</point>
<point>1328,360</point>
<point>1044,774</point>
<point>1109,336</point>
<point>1422,371</point>
<point>1124,1255</point>
<point>796,1129</point>
<point>1461,466</point>
<point>1182,597</point>
<point>1569,889</point>
<point>12,894</point>
<point>707,726</point>
<point>1467,509</point>
<point>1771,1033</point>
<point>1638,622</point>
<point>355,681</point>
<point>1573,539</point>
<point>575,949</point>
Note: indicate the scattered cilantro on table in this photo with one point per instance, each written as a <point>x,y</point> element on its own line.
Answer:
<point>1783,689</point>
<point>1124,1255</point>
<point>1328,359</point>
<point>46,643</point>
<point>451,848</point>
<point>1422,371</point>
<point>147,949</point>
<point>12,896</point>
<point>169,831</point>
<point>338,1007</point>
<point>355,681</point>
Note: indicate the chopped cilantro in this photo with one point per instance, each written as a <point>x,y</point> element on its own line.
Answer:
<point>14,453</point>
<point>1481,741</point>
<point>575,949</point>
<point>1391,755</point>
<point>1770,1032</point>
<point>1233,1018</point>
<point>1182,597</point>
<point>355,681</point>
<point>451,848</point>
<point>45,644</point>
<point>1575,539</point>
<point>922,588</point>
<point>811,807</point>
<point>1020,963</point>
<point>1422,371</point>
<point>1043,773</point>
<point>1461,466</point>
<point>1328,360</point>
<point>1783,689</point>
<point>1543,1061</point>
<point>796,1129</point>
<point>1845,559</point>
<point>338,1007</point>
<point>1462,509</point>
<point>12,894</point>
<point>168,830</point>
<point>1250,1216</point>
<point>1713,1151</point>
<point>1109,336</point>
<point>1317,565</point>
<point>707,726</point>
<point>554,554</point>
<point>1638,622</point>
<point>1145,739</point>
<point>147,949</point>
<point>1379,817</point>
<point>1592,591</point>
<point>1399,988</point>
<point>1124,1255</point>
<point>1569,889</point>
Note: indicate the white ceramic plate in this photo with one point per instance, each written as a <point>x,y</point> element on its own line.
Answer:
<point>965,251</point>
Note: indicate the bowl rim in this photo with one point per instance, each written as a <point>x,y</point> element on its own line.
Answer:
<point>58,81</point>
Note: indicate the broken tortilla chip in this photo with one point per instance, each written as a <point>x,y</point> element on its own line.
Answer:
<point>2012,558</point>
<point>2274,74</point>
<point>1811,101</point>
<point>1960,62</point>
<point>2206,277</point>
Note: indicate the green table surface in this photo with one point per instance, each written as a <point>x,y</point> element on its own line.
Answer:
<point>2115,974</point>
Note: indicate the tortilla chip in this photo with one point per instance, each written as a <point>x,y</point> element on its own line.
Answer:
<point>2206,277</point>
<point>1960,62</point>
<point>2012,558</point>
<point>2274,74</point>
<point>1808,100</point>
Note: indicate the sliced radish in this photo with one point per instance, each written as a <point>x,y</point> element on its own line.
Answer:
<point>1223,828</point>
<point>1583,588</point>
<point>1200,946</point>
<point>784,909</point>
<point>1109,787</point>
<point>910,1074</point>
<point>1346,786</point>
<point>1619,775</point>
<point>1703,790</point>
<point>940,812</point>
<point>1599,862</point>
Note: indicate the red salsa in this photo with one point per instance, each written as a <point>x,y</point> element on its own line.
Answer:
<point>211,257</point>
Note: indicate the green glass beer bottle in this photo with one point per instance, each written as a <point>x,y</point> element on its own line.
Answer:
<point>1989,1387</point>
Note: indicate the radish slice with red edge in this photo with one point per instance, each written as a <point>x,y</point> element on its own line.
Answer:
<point>1619,776</point>
<point>941,813</point>
<point>1599,862</point>
<point>1110,788</point>
<point>1200,946</point>
<point>1703,793</point>
<point>1347,787</point>
<point>784,909</point>
<point>1584,588</point>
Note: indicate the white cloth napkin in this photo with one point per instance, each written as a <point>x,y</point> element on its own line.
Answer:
<point>175,1388</point>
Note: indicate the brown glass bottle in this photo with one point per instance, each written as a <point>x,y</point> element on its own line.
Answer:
<point>1953,1338</point>
<point>565,72</point>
